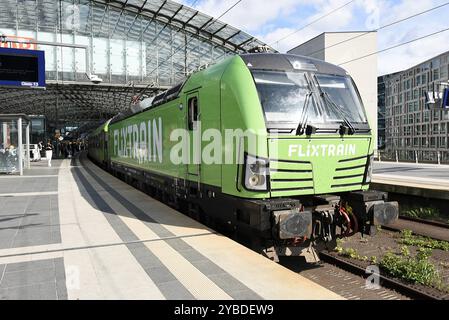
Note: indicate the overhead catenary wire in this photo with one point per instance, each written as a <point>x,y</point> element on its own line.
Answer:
<point>312,22</point>
<point>395,46</point>
<point>380,28</point>
<point>225,12</point>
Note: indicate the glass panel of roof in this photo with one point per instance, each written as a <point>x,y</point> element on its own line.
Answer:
<point>169,9</point>
<point>153,5</point>
<point>199,20</point>
<point>185,14</point>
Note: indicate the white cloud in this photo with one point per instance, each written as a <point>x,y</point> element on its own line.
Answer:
<point>334,22</point>
<point>275,19</point>
<point>414,53</point>
<point>249,15</point>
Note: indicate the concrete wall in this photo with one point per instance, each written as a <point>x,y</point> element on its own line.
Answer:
<point>363,71</point>
<point>312,48</point>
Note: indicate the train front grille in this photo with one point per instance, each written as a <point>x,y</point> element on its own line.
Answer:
<point>349,172</point>
<point>291,177</point>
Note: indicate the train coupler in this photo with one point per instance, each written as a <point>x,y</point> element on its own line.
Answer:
<point>292,229</point>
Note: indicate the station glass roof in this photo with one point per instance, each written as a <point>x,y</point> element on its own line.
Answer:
<point>134,45</point>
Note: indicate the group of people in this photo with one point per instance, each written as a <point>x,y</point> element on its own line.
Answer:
<point>8,158</point>
<point>61,149</point>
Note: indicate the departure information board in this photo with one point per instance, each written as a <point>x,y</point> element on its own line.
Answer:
<point>22,68</point>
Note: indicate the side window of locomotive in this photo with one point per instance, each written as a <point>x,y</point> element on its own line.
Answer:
<point>193,112</point>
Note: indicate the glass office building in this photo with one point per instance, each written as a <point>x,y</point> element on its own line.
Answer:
<point>413,128</point>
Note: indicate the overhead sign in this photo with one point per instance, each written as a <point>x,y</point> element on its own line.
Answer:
<point>22,67</point>
<point>18,43</point>
<point>432,97</point>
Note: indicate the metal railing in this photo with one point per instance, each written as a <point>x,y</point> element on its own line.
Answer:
<point>415,156</point>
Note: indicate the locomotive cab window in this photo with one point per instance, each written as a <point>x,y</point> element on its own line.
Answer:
<point>283,96</point>
<point>193,112</point>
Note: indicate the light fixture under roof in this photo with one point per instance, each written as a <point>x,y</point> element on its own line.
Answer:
<point>301,64</point>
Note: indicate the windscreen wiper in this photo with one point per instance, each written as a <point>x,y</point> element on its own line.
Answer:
<point>349,128</point>
<point>301,129</point>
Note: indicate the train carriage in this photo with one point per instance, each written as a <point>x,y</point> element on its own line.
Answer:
<point>98,145</point>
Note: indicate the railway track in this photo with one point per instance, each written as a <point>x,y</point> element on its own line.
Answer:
<point>432,229</point>
<point>409,290</point>
<point>426,221</point>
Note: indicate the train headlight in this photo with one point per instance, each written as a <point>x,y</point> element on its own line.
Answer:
<point>369,169</point>
<point>255,173</point>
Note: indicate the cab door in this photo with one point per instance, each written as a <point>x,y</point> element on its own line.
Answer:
<point>194,129</point>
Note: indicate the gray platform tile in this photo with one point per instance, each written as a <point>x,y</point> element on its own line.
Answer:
<point>41,172</point>
<point>10,222</point>
<point>227,283</point>
<point>192,255</point>
<point>30,232</point>
<point>55,235</point>
<point>245,295</point>
<point>27,277</point>
<point>61,290</point>
<point>60,274</point>
<point>42,291</point>
<point>40,279</point>
<point>13,207</point>
<point>29,221</point>
<point>141,253</point>
<point>30,292</point>
<point>35,219</point>
<point>6,242</point>
<point>48,291</point>
<point>30,265</point>
<point>234,288</point>
<point>31,241</point>
<point>179,245</point>
<point>174,291</point>
<point>207,267</point>
<point>159,274</point>
<point>29,184</point>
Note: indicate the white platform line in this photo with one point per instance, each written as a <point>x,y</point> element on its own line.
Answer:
<point>28,177</point>
<point>29,194</point>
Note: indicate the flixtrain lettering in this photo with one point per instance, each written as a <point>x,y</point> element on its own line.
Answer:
<point>140,141</point>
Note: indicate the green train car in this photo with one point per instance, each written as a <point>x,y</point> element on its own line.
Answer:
<point>98,144</point>
<point>274,147</point>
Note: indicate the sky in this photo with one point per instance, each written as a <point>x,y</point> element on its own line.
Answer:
<point>271,20</point>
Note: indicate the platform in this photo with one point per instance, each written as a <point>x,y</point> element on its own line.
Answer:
<point>73,231</point>
<point>424,180</point>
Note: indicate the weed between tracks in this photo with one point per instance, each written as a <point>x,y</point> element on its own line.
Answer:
<point>415,269</point>
<point>400,263</point>
<point>409,239</point>
<point>422,213</point>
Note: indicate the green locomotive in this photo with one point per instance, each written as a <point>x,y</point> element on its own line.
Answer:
<point>273,146</point>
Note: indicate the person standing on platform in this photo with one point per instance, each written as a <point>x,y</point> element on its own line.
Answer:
<point>49,152</point>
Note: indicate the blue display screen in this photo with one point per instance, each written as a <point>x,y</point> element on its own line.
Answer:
<point>22,68</point>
